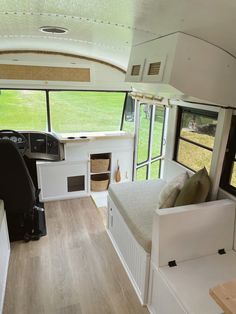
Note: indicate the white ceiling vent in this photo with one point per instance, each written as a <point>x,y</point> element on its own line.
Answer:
<point>53,30</point>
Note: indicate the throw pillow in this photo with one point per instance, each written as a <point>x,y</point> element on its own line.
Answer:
<point>195,190</point>
<point>171,190</point>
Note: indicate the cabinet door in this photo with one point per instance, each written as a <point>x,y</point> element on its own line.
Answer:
<point>135,69</point>
<point>154,69</point>
<point>62,180</point>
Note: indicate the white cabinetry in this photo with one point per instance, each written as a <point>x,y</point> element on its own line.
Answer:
<point>4,253</point>
<point>54,179</point>
<point>183,66</point>
<point>71,178</point>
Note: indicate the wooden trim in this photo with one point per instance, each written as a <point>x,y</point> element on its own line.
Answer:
<point>2,52</point>
<point>43,73</point>
<point>224,295</point>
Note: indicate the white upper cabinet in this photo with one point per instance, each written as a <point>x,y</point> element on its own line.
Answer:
<point>186,67</point>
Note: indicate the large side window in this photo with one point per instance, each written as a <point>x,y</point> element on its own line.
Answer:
<point>23,110</point>
<point>149,139</point>
<point>74,111</point>
<point>195,138</point>
<point>228,178</point>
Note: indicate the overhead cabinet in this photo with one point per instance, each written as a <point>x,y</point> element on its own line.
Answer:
<point>183,66</point>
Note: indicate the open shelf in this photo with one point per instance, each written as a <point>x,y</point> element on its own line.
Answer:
<point>100,172</point>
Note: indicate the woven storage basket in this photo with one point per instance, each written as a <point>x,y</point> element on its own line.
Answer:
<point>99,165</point>
<point>99,182</point>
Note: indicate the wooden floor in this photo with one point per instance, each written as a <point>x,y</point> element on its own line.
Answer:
<point>73,270</point>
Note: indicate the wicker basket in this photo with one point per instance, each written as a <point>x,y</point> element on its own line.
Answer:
<point>99,165</point>
<point>99,182</point>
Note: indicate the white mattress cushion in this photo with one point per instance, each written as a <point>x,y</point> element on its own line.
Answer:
<point>191,280</point>
<point>136,202</point>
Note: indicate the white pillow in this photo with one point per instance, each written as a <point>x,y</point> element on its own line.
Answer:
<point>171,190</point>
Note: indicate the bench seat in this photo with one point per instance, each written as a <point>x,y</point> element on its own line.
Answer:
<point>189,282</point>
<point>137,202</point>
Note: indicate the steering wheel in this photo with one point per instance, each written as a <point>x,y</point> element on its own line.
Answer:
<point>17,138</point>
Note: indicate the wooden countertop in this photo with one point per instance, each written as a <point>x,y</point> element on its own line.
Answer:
<point>225,296</point>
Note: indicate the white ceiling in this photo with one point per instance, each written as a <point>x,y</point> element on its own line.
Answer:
<point>106,29</point>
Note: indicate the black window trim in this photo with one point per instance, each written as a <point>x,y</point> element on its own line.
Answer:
<point>150,160</point>
<point>229,160</point>
<point>178,137</point>
<point>149,139</point>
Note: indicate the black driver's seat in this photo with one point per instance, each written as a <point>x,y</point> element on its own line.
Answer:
<point>16,186</point>
<point>16,190</point>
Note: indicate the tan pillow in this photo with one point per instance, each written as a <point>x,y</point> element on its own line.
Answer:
<point>171,190</point>
<point>195,190</point>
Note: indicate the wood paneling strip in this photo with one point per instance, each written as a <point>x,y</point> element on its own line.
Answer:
<point>43,73</point>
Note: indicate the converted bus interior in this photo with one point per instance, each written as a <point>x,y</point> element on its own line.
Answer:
<point>117,157</point>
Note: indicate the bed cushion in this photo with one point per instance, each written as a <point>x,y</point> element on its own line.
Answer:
<point>136,202</point>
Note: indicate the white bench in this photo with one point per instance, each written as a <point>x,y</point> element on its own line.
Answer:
<point>181,234</point>
<point>191,236</point>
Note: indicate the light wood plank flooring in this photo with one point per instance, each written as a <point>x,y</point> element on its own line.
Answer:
<point>73,270</point>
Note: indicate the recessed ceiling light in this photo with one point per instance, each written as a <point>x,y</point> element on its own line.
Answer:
<point>53,29</point>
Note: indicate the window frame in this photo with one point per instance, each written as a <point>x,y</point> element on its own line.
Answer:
<point>178,137</point>
<point>229,160</point>
<point>148,162</point>
<point>47,101</point>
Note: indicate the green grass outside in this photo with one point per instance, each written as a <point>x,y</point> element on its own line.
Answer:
<point>23,110</point>
<point>143,141</point>
<point>194,156</point>
<point>70,111</point>
<point>86,111</point>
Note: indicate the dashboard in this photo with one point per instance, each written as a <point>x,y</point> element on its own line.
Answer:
<point>41,145</point>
